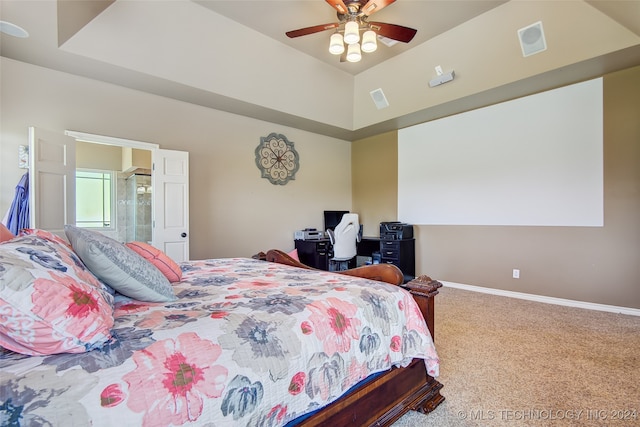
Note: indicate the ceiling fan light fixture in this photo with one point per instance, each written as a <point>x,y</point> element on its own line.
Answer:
<point>369,43</point>
<point>336,45</point>
<point>352,17</point>
<point>351,32</point>
<point>353,53</point>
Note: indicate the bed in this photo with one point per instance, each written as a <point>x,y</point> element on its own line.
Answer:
<point>99,333</point>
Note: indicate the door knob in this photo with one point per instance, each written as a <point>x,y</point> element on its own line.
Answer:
<point>183,235</point>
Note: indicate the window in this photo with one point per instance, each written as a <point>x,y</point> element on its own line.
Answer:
<point>95,190</point>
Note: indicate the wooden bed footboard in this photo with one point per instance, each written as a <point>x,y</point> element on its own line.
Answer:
<point>424,290</point>
<point>388,273</point>
<point>384,399</point>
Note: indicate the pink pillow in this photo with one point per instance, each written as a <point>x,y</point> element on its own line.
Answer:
<point>294,254</point>
<point>155,256</point>
<point>5,234</point>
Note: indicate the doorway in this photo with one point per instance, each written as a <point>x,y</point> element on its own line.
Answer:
<point>52,181</point>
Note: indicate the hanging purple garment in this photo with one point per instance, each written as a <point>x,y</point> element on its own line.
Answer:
<point>19,212</point>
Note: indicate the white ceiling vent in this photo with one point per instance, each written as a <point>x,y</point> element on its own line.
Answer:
<point>379,99</point>
<point>532,39</point>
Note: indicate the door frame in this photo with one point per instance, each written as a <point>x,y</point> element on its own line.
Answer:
<point>110,140</point>
<point>177,247</point>
<point>173,175</point>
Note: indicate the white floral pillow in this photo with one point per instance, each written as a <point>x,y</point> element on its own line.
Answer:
<point>49,302</point>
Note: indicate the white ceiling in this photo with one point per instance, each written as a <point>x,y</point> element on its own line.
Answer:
<point>65,36</point>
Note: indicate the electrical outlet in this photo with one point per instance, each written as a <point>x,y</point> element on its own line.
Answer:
<point>516,273</point>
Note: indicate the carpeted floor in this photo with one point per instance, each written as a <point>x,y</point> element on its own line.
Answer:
<point>511,362</point>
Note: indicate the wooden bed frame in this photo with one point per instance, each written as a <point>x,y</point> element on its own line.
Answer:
<point>383,400</point>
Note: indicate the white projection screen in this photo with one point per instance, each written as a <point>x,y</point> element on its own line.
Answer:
<point>533,161</point>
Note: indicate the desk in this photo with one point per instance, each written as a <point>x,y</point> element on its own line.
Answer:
<point>368,245</point>
<point>317,253</point>
<point>314,253</point>
<point>401,253</point>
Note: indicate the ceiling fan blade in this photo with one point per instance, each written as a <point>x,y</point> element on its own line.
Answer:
<point>393,31</point>
<point>374,6</point>
<point>311,30</point>
<point>339,6</point>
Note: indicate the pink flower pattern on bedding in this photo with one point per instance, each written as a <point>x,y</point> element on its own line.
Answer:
<point>71,308</point>
<point>176,377</point>
<point>335,324</point>
<point>247,343</point>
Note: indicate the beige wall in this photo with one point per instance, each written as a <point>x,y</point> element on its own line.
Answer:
<point>111,157</point>
<point>599,264</point>
<point>133,158</point>
<point>374,168</point>
<point>98,156</point>
<point>234,212</point>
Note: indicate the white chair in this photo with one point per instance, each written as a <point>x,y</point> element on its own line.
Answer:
<point>344,239</point>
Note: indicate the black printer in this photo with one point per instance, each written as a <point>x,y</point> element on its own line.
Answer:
<point>395,230</point>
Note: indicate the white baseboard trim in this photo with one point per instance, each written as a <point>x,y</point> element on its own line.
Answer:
<point>549,300</point>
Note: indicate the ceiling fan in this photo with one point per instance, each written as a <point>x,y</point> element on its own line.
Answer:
<point>353,16</point>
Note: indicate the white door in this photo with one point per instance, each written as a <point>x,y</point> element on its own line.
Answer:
<point>170,186</point>
<point>52,186</point>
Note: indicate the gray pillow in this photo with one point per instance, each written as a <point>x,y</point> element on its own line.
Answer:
<point>119,267</point>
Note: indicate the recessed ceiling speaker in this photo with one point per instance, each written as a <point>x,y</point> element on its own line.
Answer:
<point>379,99</point>
<point>532,39</point>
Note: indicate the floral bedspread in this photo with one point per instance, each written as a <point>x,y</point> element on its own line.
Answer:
<point>247,343</point>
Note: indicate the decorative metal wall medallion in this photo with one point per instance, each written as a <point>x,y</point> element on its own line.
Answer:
<point>277,159</point>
